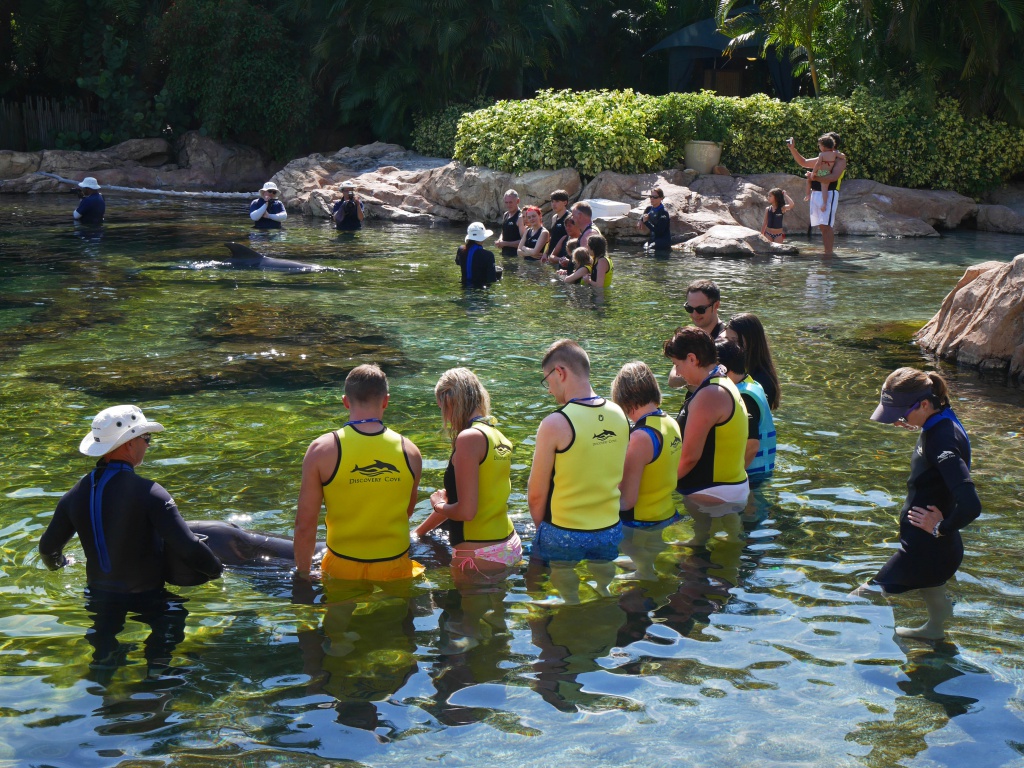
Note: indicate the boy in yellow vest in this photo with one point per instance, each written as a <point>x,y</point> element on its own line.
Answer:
<point>366,475</point>
<point>573,490</point>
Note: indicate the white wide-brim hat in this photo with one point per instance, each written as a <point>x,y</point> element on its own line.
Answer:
<point>270,187</point>
<point>115,426</point>
<point>477,231</point>
<point>89,183</point>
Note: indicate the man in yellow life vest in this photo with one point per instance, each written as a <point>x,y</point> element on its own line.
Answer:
<point>573,490</point>
<point>366,475</point>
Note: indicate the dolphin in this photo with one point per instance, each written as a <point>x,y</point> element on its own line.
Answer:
<point>237,546</point>
<point>246,258</point>
<point>376,468</point>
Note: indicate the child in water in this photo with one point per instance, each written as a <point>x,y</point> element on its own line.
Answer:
<point>780,204</point>
<point>582,259</point>
<point>822,165</point>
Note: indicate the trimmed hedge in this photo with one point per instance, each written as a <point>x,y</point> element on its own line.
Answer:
<point>901,141</point>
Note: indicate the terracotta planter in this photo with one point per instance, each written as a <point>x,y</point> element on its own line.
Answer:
<point>702,156</point>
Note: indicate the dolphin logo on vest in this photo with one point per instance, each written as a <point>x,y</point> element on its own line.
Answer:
<point>676,442</point>
<point>377,468</point>
<point>604,436</point>
<point>503,450</point>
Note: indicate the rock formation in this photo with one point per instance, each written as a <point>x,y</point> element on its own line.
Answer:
<point>981,321</point>
<point>399,185</point>
<point>196,163</point>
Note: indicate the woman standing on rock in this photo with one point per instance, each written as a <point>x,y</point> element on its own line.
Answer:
<point>941,497</point>
<point>536,237</point>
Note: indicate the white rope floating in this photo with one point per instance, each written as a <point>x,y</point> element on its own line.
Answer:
<point>168,192</point>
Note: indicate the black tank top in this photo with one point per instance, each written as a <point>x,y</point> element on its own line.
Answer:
<point>775,219</point>
<point>510,231</point>
<point>530,241</point>
<point>557,233</point>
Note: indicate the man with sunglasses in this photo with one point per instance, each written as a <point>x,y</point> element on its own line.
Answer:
<point>703,299</point>
<point>128,526</point>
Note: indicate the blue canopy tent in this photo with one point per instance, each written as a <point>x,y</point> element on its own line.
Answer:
<point>702,40</point>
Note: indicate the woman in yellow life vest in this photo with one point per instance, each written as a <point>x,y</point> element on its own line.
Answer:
<point>473,505</point>
<point>713,421</point>
<point>649,477</point>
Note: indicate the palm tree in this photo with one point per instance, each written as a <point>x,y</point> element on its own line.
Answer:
<point>785,24</point>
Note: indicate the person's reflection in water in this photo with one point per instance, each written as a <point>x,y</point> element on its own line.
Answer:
<point>717,528</point>
<point>165,614</point>
<point>364,653</point>
<point>475,645</point>
<point>571,639</point>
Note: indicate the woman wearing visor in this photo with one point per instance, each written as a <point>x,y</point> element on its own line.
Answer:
<point>941,497</point>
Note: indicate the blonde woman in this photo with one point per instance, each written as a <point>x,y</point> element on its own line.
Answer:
<point>473,505</point>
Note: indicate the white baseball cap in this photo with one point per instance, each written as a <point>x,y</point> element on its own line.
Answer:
<point>477,231</point>
<point>115,426</point>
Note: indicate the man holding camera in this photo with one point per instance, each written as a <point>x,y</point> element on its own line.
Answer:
<point>348,212</point>
<point>92,206</point>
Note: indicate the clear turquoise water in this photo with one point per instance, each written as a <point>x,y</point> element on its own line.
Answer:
<point>747,651</point>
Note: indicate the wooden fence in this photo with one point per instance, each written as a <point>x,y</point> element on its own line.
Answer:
<point>35,123</point>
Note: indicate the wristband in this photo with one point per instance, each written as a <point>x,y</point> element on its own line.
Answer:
<point>935,530</point>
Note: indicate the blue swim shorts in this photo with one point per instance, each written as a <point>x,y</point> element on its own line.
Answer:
<point>565,544</point>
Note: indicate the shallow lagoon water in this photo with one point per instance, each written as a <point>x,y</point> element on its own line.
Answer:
<point>747,650</point>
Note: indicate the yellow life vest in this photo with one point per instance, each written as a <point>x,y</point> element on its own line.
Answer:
<point>368,495</point>
<point>655,502</point>
<point>491,522</point>
<point>584,493</point>
<point>723,459</point>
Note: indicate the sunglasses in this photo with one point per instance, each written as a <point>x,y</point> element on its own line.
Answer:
<point>699,310</point>
<point>910,410</point>
<point>146,438</point>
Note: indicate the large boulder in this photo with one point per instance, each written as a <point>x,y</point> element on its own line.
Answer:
<point>14,164</point>
<point>1000,218</point>
<point>939,209</point>
<point>733,240</point>
<point>981,321</point>
<point>226,166</point>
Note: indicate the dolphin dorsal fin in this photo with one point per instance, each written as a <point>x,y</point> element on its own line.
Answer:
<point>239,251</point>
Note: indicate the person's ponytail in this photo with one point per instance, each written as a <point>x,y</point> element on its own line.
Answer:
<point>940,391</point>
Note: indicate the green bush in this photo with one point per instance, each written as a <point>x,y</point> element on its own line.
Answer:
<point>591,131</point>
<point>901,141</point>
<point>434,134</point>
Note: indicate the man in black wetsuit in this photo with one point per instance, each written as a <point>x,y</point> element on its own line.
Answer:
<point>127,526</point>
<point>703,298</point>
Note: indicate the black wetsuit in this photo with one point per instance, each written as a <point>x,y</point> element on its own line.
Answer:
<point>658,225</point>
<point>139,520</point>
<point>530,241</point>
<point>477,265</point>
<point>557,233</point>
<point>940,476</point>
<point>510,232</point>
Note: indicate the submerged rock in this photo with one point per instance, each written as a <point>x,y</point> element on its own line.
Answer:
<point>250,345</point>
<point>981,321</point>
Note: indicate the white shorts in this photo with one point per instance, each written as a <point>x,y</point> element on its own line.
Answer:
<point>826,218</point>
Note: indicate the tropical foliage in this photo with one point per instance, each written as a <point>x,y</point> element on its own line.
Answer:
<point>275,73</point>
<point>903,140</point>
